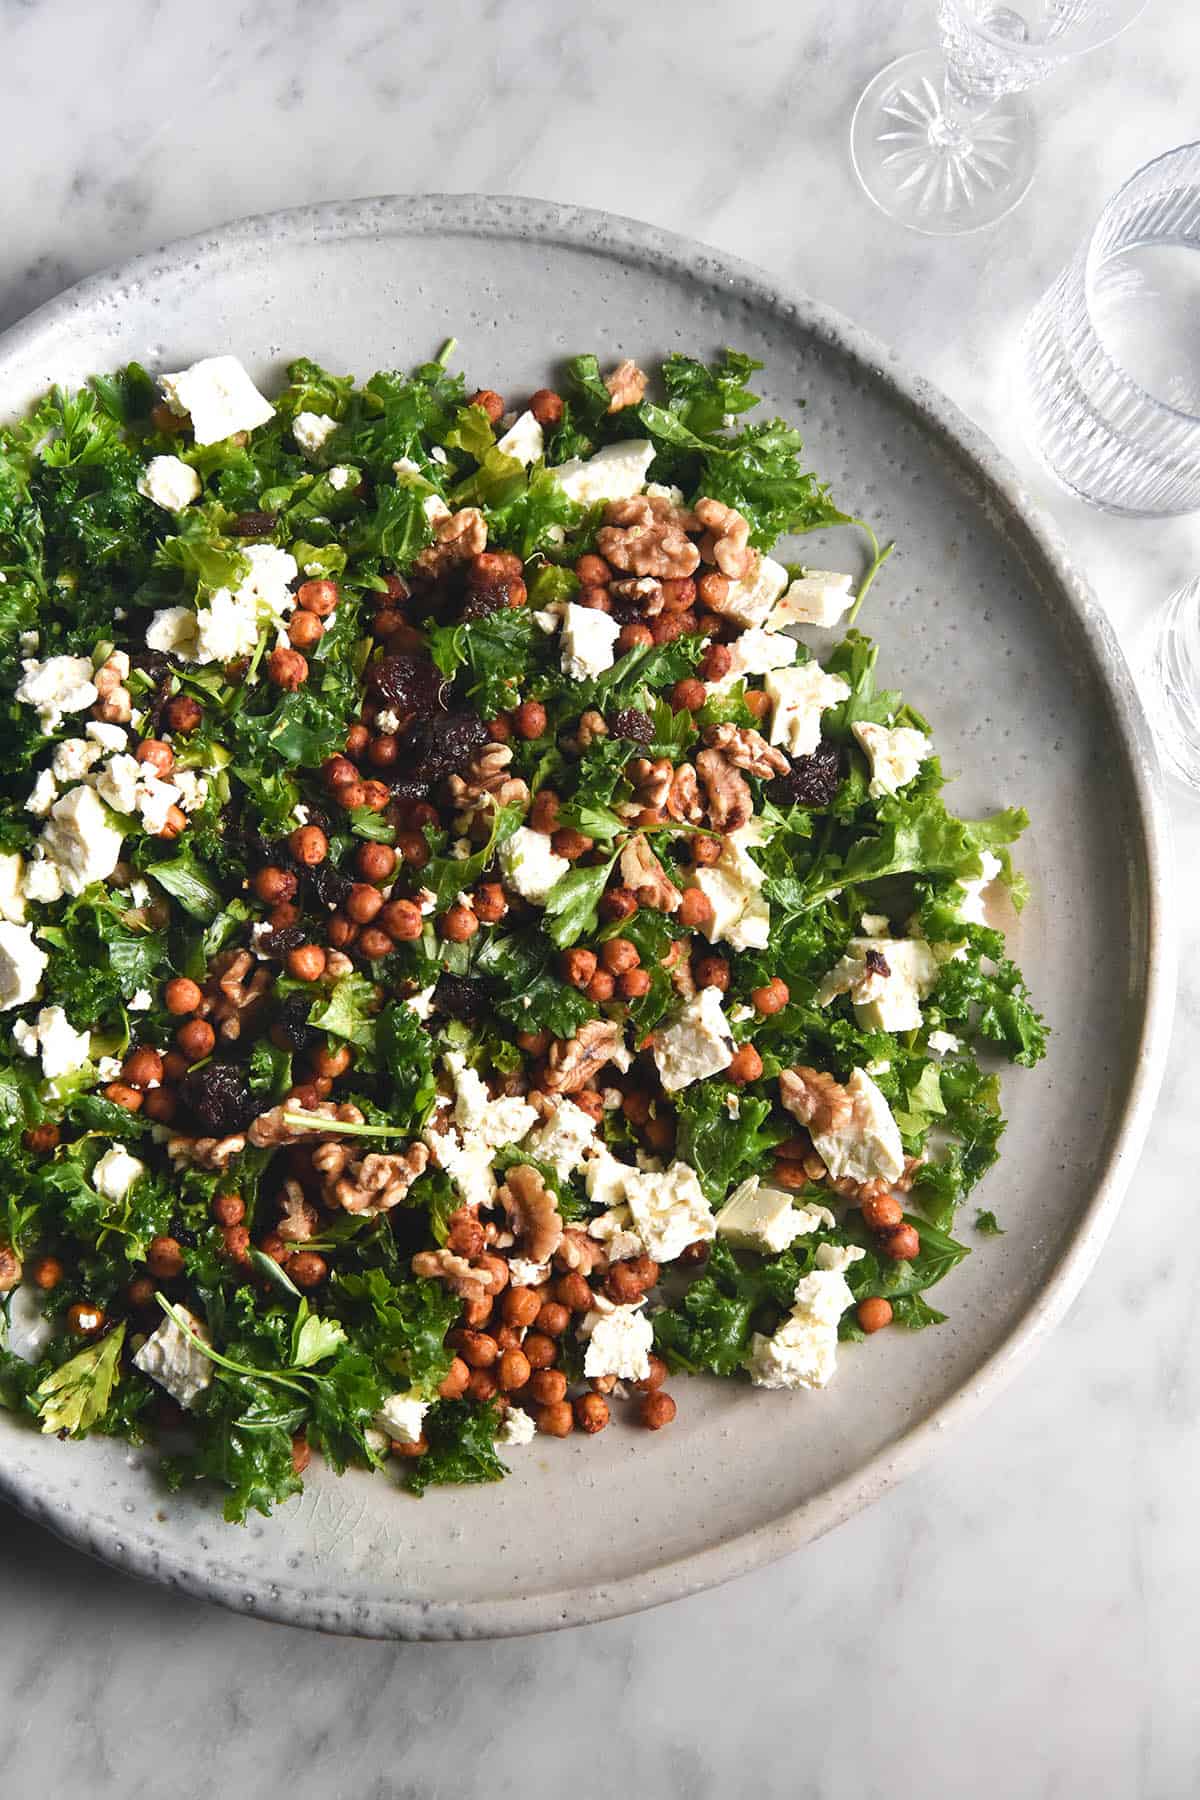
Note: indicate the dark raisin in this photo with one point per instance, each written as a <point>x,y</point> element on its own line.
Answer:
<point>479,602</point>
<point>408,683</point>
<point>288,937</point>
<point>291,1022</point>
<point>219,1099</point>
<point>327,885</point>
<point>431,748</point>
<point>253,524</point>
<point>459,997</point>
<point>627,609</point>
<point>181,1234</point>
<point>631,723</point>
<point>876,963</point>
<point>811,780</point>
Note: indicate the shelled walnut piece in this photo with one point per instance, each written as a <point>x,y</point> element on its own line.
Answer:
<point>747,749</point>
<point>727,793</point>
<point>726,541</point>
<point>459,538</point>
<point>647,536</point>
<point>532,1212</point>
<point>574,1061</point>
<point>372,1183</point>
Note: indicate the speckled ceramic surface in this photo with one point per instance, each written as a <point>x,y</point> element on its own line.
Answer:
<point>983,626</point>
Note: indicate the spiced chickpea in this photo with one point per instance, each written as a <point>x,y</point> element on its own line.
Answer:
<point>573,1292</point>
<point>375,862</point>
<point>571,843</point>
<point>309,845</point>
<point>634,984</point>
<point>507,1337</point>
<point>656,1410</point>
<point>589,1101</point>
<point>340,931</point>
<point>874,1314</point>
<point>747,1065</point>
<point>301,1453</point>
<point>121,1094</point>
<point>182,996</point>
<point>591,1413</point>
<point>546,407</point>
<point>552,1318</point>
<point>458,924</point>
<point>352,795</point>
<point>304,630</point>
<point>363,903</point>
<point>659,1131</point>
<point>41,1139</point>
<point>541,1350</point>
<point>164,1258</point>
<point>85,1320</point>
<point>478,1350</point>
<point>306,962</point>
<point>482,1386</point>
<point>881,1212</point>
<point>357,739</point>
<point>142,1068</point>
<point>694,909</point>
<point>183,713</point>
<point>499,730</point>
<point>488,903</point>
<point>601,987</point>
<point>336,771</point>
<point>529,720</point>
<point>715,663</point>
<point>158,754</point>
<point>228,1209</point>
<point>235,1241</point>
<point>160,1105</point>
<point>332,1063</point>
<point>658,1374</point>
<point>757,703</point>
<point>593,571</point>
<point>557,1420</point>
<point>307,1269</point>
<point>377,795</point>
<point>634,637</point>
<point>533,1043</point>
<point>706,851</point>
<point>383,751</point>
<point>578,966</point>
<point>454,1383</point>
<point>713,589</point>
<point>548,1386</point>
<point>520,1306</point>
<point>636,1106</point>
<point>287,669</point>
<point>413,848</point>
<point>402,920</point>
<point>621,1284</point>
<point>543,815</point>
<point>175,1066</point>
<point>618,903</point>
<point>490,403</point>
<point>619,955</point>
<point>10,1269</point>
<point>45,1272</point>
<point>273,1245</point>
<point>320,597</point>
<point>900,1242</point>
<point>410,1452</point>
<point>711,970</point>
<point>596,599</point>
<point>196,1039</point>
<point>286,914</point>
<point>477,1313</point>
<point>374,943</point>
<point>772,998</point>
<point>688,696</point>
<point>271,885</point>
<point>140,1294</point>
<point>512,1371</point>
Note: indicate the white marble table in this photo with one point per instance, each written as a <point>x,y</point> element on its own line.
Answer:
<point>1023,1619</point>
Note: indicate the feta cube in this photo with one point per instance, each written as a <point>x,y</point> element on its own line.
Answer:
<point>798,698</point>
<point>496,1122</point>
<point>669,1211</point>
<point>109,737</point>
<point>73,758</point>
<point>529,866</point>
<point>155,800</point>
<point>29,1332</point>
<point>524,440</point>
<point>219,396</point>
<point>42,882</point>
<point>116,1172</point>
<point>740,916</point>
<point>695,1044</point>
<point>62,1048</point>
<point>170,1358</point>
<point>757,1217</point>
<point>971,908</point>
<point>588,641</point>
<point>61,684</point>
<point>895,755</point>
<point>225,629</point>
<point>868,1146</point>
<point>118,782</point>
<point>749,601</point>
<point>817,597</point>
<point>620,1340</point>
<point>12,888</point>
<point>81,839</point>
<point>170,483</point>
<point>387,722</point>
<point>516,1428</point>
<point>268,582</point>
<point>343,477</point>
<point>943,1043</point>
<point>402,1417</point>
<point>311,429</point>
<point>614,1229</point>
<point>564,1137</point>
<point>524,1273</point>
<point>142,1001</point>
<point>191,789</point>
<point>875,925</point>
<point>756,652</point>
<point>887,999</point>
<point>22,964</point>
<point>173,629</point>
<point>802,1353</point>
<point>42,795</point>
<point>615,473</point>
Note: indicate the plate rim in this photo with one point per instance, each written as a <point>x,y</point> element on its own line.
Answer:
<point>1000,488</point>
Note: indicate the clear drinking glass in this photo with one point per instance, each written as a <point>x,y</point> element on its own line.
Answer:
<point>1110,356</point>
<point>1170,669</point>
<point>941,139</point>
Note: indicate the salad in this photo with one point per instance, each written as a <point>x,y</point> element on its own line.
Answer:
<point>476,943</point>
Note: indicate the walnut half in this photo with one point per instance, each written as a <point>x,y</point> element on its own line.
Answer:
<point>532,1212</point>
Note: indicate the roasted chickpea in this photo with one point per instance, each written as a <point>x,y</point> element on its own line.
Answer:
<point>713,590</point>
<point>541,1350</point>
<point>546,407</point>
<point>529,720</point>
<point>85,1320</point>
<point>374,944</point>
<point>158,754</point>
<point>304,630</point>
<point>618,903</point>
<point>402,920</point>
<point>309,845</point>
<point>772,998</point>
<point>636,1106</point>
<point>41,1139</point>
<point>363,903</point>
<point>900,1242</point>
<point>142,1067</point>
<point>694,909</point>
<point>489,402</point>
<point>656,1410</point>
<point>307,1269</point>
<point>45,1272</point>
<point>572,1291</point>
<point>377,795</point>
<point>287,669</point>
<point>633,637</point>
<point>357,739</point>
<point>622,1285</point>
<point>235,1241</point>
<point>183,713</point>
<point>548,1386</point>
<point>881,1212</point>
<point>306,962</point>
<point>383,751</point>
<point>711,971</point>
<point>747,1065</point>
<point>552,1318</point>
<point>160,1105</point>
<point>758,703</point>
<point>374,861</point>
<point>520,1306</point>
<point>320,597</point>
<point>488,903</point>
<point>272,885</point>
<point>336,771</point>
<point>688,695</point>
<point>512,1370</point>
<point>601,987</point>
<point>127,1097</point>
<point>874,1314</point>
<point>706,851</point>
<point>656,1377</point>
<point>659,1131</point>
<point>284,916</point>
<point>715,663</point>
<point>578,966</point>
<point>196,1039</point>
<point>458,924</point>
<point>499,730</point>
<point>454,1383</point>
<point>301,1453</point>
<point>182,996</point>
<point>332,1063</point>
<point>164,1258</point>
<point>482,1386</point>
<point>593,571</point>
<point>634,984</point>
<point>591,1413</point>
<point>571,844</point>
<point>228,1209</point>
<point>533,1043</point>
<point>618,956</point>
<point>557,1420</point>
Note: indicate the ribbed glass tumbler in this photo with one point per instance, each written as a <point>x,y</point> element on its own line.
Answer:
<point>1110,356</point>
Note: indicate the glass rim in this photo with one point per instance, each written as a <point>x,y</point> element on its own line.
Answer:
<point>1029,50</point>
<point>1091,255</point>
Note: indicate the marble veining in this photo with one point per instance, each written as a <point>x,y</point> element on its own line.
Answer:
<point>1020,1618</point>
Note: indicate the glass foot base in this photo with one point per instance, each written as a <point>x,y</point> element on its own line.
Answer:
<point>937,174</point>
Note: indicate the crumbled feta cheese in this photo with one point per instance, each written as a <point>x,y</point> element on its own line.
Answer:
<point>817,597</point>
<point>529,866</point>
<point>658,490</point>
<point>740,915</point>
<point>73,758</point>
<point>798,698</point>
<point>402,1416</point>
<point>879,1065</point>
<point>695,1044</point>
<point>524,1273</point>
<point>480,1127</point>
<point>110,738</point>
<point>614,1229</point>
<point>117,783</point>
<point>12,890</point>
<point>191,788</point>
<point>547,619</point>
<point>42,795</point>
<point>803,1351</point>
<point>619,1343</point>
<point>615,473</point>
<point>562,1139</point>
<point>523,439</point>
<point>116,1172</point>
<point>155,799</point>
<point>42,881</point>
<point>895,755</point>
<point>142,1001</point>
<point>875,925</point>
<point>22,964</point>
<point>173,629</point>
<point>62,1048</point>
<point>943,1043</point>
<point>422,1003</point>
<point>669,1211</point>
<point>28,641</point>
<point>387,722</point>
<point>170,483</point>
<point>81,839</point>
<point>749,601</point>
<point>28,1332</point>
<point>310,430</point>
<point>516,1428</point>
<point>757,1217</point>
<point>342,477</point>
<point>868,1146</point>
<point>882,1001</point>
<point>169,1357</point>
<point>226,628</point>
<point>587,641</point>
<point>108,1069</point>
<point>756,652</point>
<point>219,396</point>
<point>971,908</point>
<point>61,684</point>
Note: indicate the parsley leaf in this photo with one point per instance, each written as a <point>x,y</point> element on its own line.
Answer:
<point>75,1396</point>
